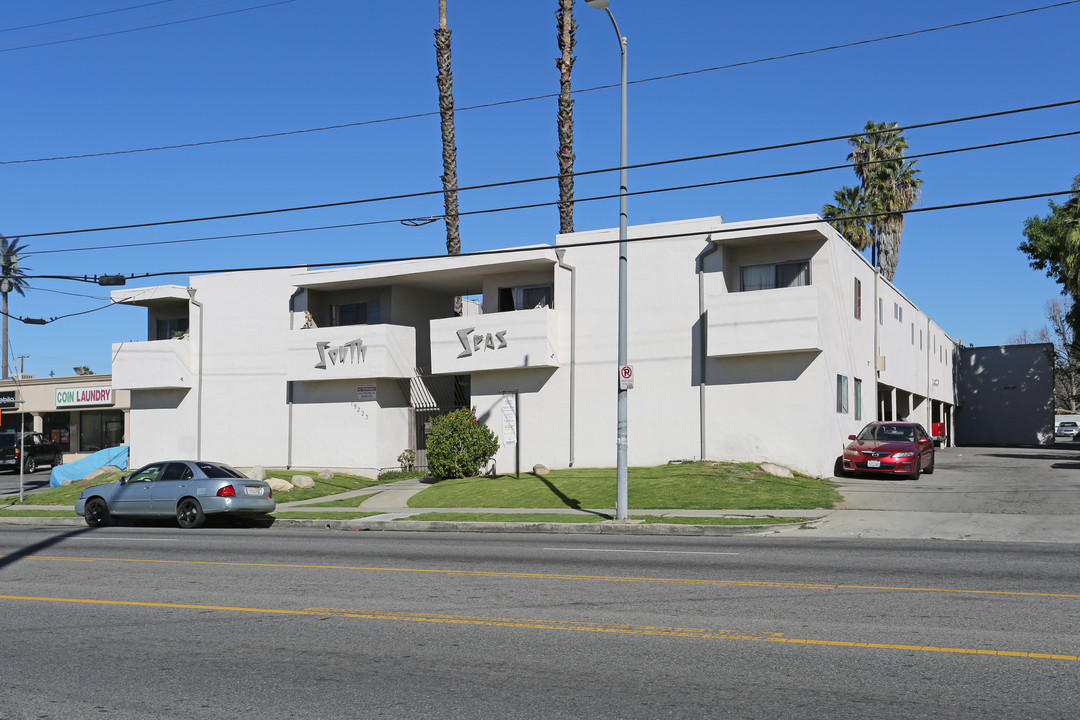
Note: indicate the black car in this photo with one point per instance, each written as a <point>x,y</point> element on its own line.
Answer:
<point>36,450</point>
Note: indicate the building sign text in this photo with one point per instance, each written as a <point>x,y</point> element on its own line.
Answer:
<point>349,353</point>
<point>68,397</point>
<point>474,343</point>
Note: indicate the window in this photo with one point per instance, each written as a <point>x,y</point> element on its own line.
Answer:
<point>361,313</point>
<point>774,275</point>
<point>100,429</point>
<point>858,399</point>
<point>920,339</point>
<point>896,311</point>
<point>168,328</point>
<point>880,311</point>
<point>858,299</point>
<point>912,333</point>
<point>526,297</point>
<point>841,394</point>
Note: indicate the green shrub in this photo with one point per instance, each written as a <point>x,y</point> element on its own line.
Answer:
<point>459,445</point>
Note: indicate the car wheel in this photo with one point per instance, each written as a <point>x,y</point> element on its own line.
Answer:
<point>96,512</point>
<point>189,514</point>
<point>30,465</point>
<point>59,459</point>
<point>918,468</point>
<point>929,469</point>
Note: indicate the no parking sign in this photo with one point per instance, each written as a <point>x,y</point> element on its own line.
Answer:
<point>626,377</point>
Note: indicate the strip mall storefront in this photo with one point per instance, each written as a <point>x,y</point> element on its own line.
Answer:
<point>81,414</point>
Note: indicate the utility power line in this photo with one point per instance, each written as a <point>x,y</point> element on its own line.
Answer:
<point>412,116</point>
<point>150,27</point>
<point>736,227</point>
<point>425,193</point>
<point>83,17</point>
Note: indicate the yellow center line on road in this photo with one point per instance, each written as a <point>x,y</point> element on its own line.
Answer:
<point>560,576</point>
<point>577,626</point>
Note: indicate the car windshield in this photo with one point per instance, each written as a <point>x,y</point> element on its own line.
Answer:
<point>8,440</point>
<point>1068,424</point>
<point>888,433</point>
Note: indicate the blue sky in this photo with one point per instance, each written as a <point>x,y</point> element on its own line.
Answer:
<point>316,63</point>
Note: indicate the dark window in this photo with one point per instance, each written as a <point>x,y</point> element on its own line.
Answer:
<point>361,313</point>
<point>218,471</point>
<point>57,427</point>
<point>774,275</point>
<point>168,328</point>
<point>858,299</point>
<point>526,297</point>
<point>100,429</point>
<point>177,471</point>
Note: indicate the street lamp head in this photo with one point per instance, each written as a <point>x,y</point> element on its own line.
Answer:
<point>598,4</point>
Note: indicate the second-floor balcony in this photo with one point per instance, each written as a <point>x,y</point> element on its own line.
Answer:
<point>495,341</point>
<point>351,352</point>
<point>780,320</point>
<point>155,364</point>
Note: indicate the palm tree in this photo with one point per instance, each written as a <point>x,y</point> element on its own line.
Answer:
<point>564,117</point>
<point>12,279</point>
<point>445,81</point>
<point>851,202</point>
<point>891,187</point>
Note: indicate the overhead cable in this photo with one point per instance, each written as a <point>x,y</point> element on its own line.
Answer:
<point>340,126</point>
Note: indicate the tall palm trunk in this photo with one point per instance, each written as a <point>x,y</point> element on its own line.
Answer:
<point>445,80</point>
<point>5,376</point>
<point>565,27</point>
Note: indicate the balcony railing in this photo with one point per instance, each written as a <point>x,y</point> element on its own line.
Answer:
<point>153,364</point>
<point>782,320</point>
<point>497,341</point>
<point>351,352</point>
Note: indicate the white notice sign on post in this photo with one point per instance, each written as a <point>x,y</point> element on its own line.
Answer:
<point>626,377</point>
<point>365,392</point>
<point>509,418</point>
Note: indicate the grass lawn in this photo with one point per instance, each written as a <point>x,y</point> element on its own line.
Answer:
<point>693,486</point>
<point>8,511</point>
<point>340,483</point>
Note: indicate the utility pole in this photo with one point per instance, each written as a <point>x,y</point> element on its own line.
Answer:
<point>22,366</point>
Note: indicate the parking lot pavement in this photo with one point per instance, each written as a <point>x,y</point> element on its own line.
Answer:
<point>1029,494</point>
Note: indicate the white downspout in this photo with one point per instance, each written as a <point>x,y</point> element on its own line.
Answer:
<point>199,375</point>
<point>559,252</point>
<point>703,334</point>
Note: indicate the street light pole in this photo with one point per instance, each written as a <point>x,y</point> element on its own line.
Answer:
<point>621,443</point>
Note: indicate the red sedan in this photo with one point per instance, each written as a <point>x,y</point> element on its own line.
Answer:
<point>891,448</point>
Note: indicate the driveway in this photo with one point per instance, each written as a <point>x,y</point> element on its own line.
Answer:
<point>1011,494</point>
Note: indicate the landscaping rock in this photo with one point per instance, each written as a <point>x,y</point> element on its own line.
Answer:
<point>326,475</point>
<point>279,485</point>
<point>257,473</point>
<point>776,470</point>
<point>303,481</point>
<point>101,471</point>
<point>541,469</point>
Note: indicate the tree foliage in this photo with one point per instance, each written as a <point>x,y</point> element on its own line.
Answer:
<point>13,279</point>
<point>459,445</point>
<point>565,27</point>
<point>888,186</point>
<point>1065,355</point>
<point>1053,244</point>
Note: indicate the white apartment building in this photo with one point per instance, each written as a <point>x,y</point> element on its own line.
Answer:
<point>767,340</point>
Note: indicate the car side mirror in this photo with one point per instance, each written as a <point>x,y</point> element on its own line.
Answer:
<point>850,437</point>
<point>123,479</point>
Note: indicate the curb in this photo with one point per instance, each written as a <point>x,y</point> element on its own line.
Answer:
<point>609,527</point>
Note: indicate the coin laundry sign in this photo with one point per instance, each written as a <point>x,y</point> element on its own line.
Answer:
<point>84,396</point>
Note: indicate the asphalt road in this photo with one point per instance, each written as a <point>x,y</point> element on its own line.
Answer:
<point>154,622</point>
<point>32,482</point>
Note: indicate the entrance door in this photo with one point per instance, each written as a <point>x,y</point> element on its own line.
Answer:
<point>433,396</point>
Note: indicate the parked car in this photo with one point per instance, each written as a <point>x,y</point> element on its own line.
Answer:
<point>890,448</point>
<point>1067,428</point>
<point>188,490</point>
<point>36,450</point>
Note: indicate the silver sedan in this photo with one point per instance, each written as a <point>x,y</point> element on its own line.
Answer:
<point>188,490</point>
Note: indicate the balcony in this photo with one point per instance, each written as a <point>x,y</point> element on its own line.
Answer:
<point>498,341</point>
<point>782,320</point>
<point>155,364</point>
<point>351,352</point>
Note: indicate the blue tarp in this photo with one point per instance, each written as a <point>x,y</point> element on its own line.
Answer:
<point>79,469</point>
